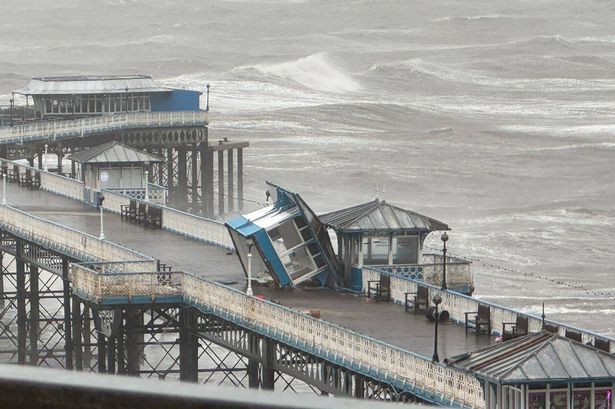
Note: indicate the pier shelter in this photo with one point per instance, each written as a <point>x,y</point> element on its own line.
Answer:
<point>113,166</point>
<point>94,95</point>
<point>378,233</point>
<point>542,371</point>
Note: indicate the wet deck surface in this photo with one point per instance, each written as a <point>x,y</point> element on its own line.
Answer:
<point>384,321</point>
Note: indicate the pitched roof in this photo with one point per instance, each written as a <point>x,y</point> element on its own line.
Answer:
<point>113,152</point>
<point>540,357</point>
<point>379,216</point>
<point>91,84</point>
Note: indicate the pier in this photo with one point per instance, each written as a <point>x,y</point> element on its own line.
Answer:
<point>162,293</point>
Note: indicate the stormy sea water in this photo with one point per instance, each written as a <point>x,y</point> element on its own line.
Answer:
<point>496,117</point>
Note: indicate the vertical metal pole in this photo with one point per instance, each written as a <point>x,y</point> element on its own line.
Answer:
<point>203,167</point>
<point>146,186</point>
<point>240,179</point>
<point>194,161</point>
<point>182,182</point>
<point>268,374</point>
<point>102,228</point>
<point>209,181</point>
<point>45,168</point>
<point>21,303</point>
<point>34,314</point>
<point>121,348</point>
<point>39,159</point>
<point>359,386</point>
<point>133,347</point>
<point>111,355</point>
<point>435,357</point>
<point>60,156</point>
<point>170,178</point>
<point>4,189</point>
<point>249,289</point>
<point>188,345</point>
<point>231,184</point>
<point>2,270</point>
<point>77,331</point>
<point>220,182</point>
<point>253,341</point>
<point>68,336</point>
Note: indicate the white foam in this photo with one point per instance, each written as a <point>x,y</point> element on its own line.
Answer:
<point>562,130</point>
<point>315,71</point>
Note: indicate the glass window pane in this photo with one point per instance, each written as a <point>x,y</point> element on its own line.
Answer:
<point>604,399</point>
<point>537,400</point>
<point>558,400</point>
<point>581,399</point>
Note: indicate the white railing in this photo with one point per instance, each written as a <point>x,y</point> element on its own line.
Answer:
<point>457,304</point>
<point>156,194</point>
<point>114,201</point>
<point>196,227</point>
<point>51,182</point>
<point>65,239</point>
<point>458,271</point>
<point>332,341</point>
<point>87,126</point>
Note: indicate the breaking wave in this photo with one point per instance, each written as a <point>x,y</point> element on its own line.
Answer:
<point>315,71</point>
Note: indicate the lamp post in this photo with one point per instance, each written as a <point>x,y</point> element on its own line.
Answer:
<point>444,239</point>
<point>249,289</point>
<point>207,103</point>
<point>12,101</point>
<point>4,189</point>
<point>436,300</point>
<point>45,158</point>
<point>102,229</point>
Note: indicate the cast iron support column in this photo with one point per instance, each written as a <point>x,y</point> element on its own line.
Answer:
<point>86,339</point>
<point>40,160</point>
<point>203,168</point>
<point>220,182</point>
<point>34,314</point>
<point>77,330</point>
<point>134,324</point>
<point>121,348</point>
<point>359,386</point>
<point>231,195</point>
<point>324,376</point>
<point>182,182</point>
<point>188,345</point>
<point>170,178</point>
<point>21,303</point>
<point>240,179</point>
<point>73,169</point>
<point>194,161</point>
<point>253,341</point>
<point>2,269</point>
<point>60,156</point>
<point>68,337</point>
<point>268,374</point>
<point>160,166</point>
<point>209,181</point>
<point>101,345</point>
<point>111,355</point>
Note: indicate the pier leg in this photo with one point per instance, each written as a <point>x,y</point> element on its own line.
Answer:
<point>34,314</point>
<point>240,179</point>
<point>121,349</point>
<point>87,336</point>
<point>194,176</point>
<point>324,376</point>
<point>220,182</point>
<point>77,330</point>
<point>21,303</point>
<point>101,344</point>
<point>188,346</point>
<point>209,182</point>
<point>182,182</point>
<point>253,341</point>
<point>40,160</point>
<point>268,375</point>
<point>170,178</point>
<point>2,271</point>
<point>231,183</point>
<point>134,324</point>
<point>73,170</point>
<point>68,337</point>
<point>203,168</point>
<point>60,156</point>
<point>111,355</point>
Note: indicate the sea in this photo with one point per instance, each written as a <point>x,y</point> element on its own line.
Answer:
<point>496,117</point>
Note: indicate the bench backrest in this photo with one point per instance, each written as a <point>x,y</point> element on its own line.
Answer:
<point>521,326</point>
<point>602,344</point>
<point>422,292</point>
<point>484,311</point>
<point>574,335</point>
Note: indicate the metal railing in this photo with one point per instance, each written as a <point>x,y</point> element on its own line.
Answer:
<point>87,126</point>
<point>155,193</point>
<point>457,304</point>
<point>458,272</point>
<point>66,240</point>
<point>341,345</point>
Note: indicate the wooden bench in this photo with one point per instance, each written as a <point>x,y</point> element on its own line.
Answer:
<point>482,319</point>
<point>129,211</point>
<point>516,329</point>
<point>141,216</point>
<point>554,329</point>
<point>12,175</point>
<point>602,344</point>
<point>381,288</point>
<point>418,298</point>
<point>574,335</point>
<point>154,217</point>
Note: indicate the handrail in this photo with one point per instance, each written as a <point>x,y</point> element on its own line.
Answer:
<point>400,367</point>
<point>87,126</point>
<point>456,304</point>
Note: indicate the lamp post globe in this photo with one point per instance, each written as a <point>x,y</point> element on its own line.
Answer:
<point>444,239</point>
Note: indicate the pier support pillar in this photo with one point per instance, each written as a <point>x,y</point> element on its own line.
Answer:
<point>209,181</point>
<point>21,303</point>
<point>2,271</point>
<point>194,175</point>
<point>182,182</point>
<point>60,156</point>
<point>359,386</point>
<point>134,325</point>
<point>68,337</point>
<point>268,374</point>
<point>77,331</point>
<point>220,182</point>
<point>111,355</point>
<point>231,183</point>
<point>253,341</point>
<point>188,345</point>
<point>34,314</point>
<point>170,175</point>
<point>240,179</point>
<point>40,160</point>
<point>101,344</point>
